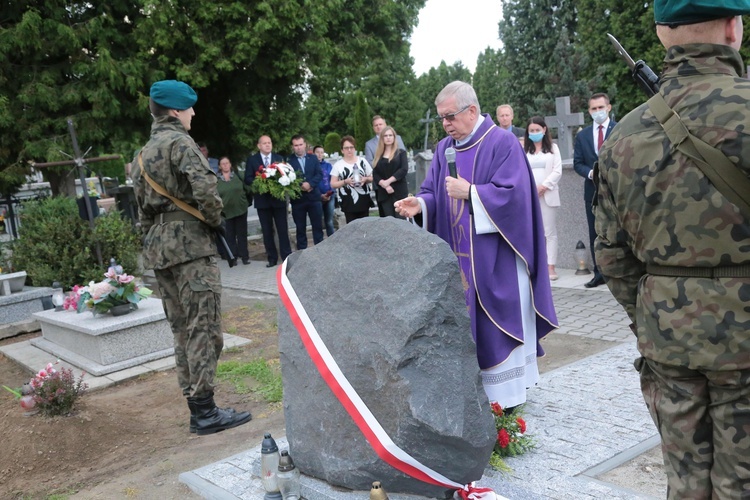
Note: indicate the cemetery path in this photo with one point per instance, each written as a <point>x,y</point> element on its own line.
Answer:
<point>131,440</point>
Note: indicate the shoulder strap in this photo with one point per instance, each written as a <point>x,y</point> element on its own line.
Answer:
<point>726,177</point>
<point>156,187</point>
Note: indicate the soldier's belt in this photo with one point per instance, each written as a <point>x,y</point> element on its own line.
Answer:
<point>700,272</point>
<point>175,217</point>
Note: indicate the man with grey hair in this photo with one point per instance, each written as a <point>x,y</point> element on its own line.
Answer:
<point>505,119</point>
<point>484,204</point>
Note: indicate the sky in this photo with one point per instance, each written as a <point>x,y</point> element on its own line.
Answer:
<point>446,32</point>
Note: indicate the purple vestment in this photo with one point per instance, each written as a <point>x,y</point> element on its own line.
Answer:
<point>495,164</point>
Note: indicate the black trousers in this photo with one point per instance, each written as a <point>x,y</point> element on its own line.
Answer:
<point>268,217</point>
<point>237,236</point>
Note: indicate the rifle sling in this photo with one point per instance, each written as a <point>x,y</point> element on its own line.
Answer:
<point>726,177</point>
<point>156,187</point>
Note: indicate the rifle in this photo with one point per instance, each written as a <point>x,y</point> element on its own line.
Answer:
<point>642,74</point>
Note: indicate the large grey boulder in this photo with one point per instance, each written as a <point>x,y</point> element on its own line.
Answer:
<point>386,298</point>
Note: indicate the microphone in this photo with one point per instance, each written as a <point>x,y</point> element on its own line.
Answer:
<point>450,157</point>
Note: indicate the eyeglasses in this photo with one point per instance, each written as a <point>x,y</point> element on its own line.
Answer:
<point>452,116</point>
<point>346,148</point>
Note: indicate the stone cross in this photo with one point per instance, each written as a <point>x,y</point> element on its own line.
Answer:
<point>427,120</point>
<point>564,121</point>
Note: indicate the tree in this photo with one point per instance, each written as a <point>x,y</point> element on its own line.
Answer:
<point>431,83</point>
<point>527,30</point>
<point>491,79</point>
<point>95,62</point>
<point>332,143</point>
<point>362,115</point>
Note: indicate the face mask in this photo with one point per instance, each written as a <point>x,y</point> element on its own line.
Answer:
<point>599,116</point>
<point>536,136</point>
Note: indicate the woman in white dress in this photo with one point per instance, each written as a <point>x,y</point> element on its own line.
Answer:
<point>546,165</point>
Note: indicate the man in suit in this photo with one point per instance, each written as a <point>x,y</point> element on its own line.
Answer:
<point>585,154</point>
<point>378,124</point>
<point>308,204</point>
<point>270,210</point>
<point>505,119</point>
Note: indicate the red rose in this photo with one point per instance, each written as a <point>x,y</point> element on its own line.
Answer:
<point>263,176</point>
<point>521,424</point>
<point>502,438</point>
<point>497,409</point>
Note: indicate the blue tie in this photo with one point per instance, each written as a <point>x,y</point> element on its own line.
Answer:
<point>302,162</point>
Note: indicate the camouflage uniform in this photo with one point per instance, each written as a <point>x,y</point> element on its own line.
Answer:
<point>182,252</point>
<point>657,208</point>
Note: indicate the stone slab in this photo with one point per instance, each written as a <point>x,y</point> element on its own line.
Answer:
<point>20,306</point>
<point>104,344</point>
<point>32,359</point>
<point>18,328</point>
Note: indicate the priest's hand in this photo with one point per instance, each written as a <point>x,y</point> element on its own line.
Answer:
<point>408,207</point>
<point>457,188</point>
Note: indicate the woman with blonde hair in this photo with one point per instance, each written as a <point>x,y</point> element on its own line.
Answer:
<point>390,166</point>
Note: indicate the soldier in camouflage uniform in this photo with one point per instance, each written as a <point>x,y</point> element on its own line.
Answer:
<point>181,249</point>
<point>676,252</point>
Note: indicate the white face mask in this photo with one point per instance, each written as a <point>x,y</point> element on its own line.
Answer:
<point>599,116</point>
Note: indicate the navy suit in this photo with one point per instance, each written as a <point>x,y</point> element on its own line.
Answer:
<point>584,157</point>
<point>270,211</point>
<point>309,203</point>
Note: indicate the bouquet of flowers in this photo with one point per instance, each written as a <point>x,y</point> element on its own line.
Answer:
<point>52,392</point>
<point>115,290</point>
<point>512,439</point>
<point>279,180</point>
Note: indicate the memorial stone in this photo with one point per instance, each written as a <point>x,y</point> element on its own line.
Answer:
<point>386,298</point>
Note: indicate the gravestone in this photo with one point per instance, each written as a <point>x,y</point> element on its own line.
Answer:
<point>564,121</point>
<point>104,343</point>
<point>386,298</point>
<point>423,160</point>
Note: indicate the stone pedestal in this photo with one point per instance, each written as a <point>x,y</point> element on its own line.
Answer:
<point>104,344</point>
<point>19,306</point>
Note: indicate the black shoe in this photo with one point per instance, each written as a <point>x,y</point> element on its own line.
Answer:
<point>595,281</point>
<point>271,264</point>
<point>191,405</point>
<point>246,261</point>
<point>210,419</point>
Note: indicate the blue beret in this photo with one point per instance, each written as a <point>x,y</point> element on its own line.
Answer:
<point>172,94</point>
<point>676,12</point>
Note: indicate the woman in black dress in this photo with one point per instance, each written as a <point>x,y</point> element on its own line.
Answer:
<point>389,173</point>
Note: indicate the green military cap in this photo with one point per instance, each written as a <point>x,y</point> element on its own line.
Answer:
<point>677,12</point>
<point>172,94</point>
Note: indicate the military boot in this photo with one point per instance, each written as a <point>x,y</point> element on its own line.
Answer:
<point>210,419</point>
<point>191,405</point>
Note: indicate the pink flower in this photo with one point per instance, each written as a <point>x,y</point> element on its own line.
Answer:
<point>111,274</point>
<point>42,374</point>
<point>124,279</point>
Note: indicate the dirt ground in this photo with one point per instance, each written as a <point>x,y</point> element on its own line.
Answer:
<point>132,441</point>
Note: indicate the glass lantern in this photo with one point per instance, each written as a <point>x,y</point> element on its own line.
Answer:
<point>288,477</point>
<point>57,296</point>
<point>269,464</point>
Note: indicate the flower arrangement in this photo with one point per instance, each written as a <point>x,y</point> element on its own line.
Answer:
<point>279,180</point>
<point>512,439</point>
<point>115,290</point>
<point>52,392</point>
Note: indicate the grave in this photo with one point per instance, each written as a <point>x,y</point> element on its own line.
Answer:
<point>563,121</point>
<point>18,303</point>
<point>104,344</point>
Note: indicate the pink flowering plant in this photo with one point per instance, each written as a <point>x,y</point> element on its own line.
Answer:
<point>279,180</point>
<point>56,391</point>
<point>114,290</point>
<point>512,439</point>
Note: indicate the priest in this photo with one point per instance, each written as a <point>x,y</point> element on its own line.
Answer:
<point>485,206</point>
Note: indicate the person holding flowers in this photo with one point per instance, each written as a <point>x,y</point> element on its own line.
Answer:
<point>271,211</point>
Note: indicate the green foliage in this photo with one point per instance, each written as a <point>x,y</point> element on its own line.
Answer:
<point>267,377</point>
<point>95,61</point>
<point>362,122</point>
<point>491,80</point>
<point>512,439</point>
<point>55,244</point>
<point>332,143</point>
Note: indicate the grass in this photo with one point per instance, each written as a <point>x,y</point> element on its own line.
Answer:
<point>267,377</point>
